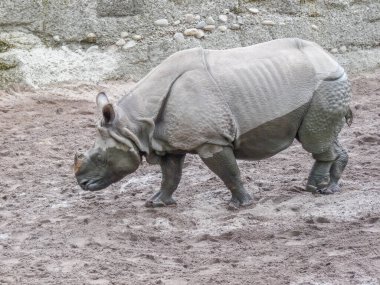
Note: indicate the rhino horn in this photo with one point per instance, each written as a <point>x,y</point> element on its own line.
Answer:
<point>78,159</point>
<point>106,107</point>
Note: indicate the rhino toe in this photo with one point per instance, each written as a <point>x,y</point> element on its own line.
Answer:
<point>330,189</point>
<point>158,201</point>
<point>235,203</point>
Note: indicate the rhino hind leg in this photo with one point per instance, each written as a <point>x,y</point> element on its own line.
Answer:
<point>223,164</point>
<point>327,171</point>
<point>171,167</point>
<point>337,168</point>
<point>319,131</point>
<point>319,177</point>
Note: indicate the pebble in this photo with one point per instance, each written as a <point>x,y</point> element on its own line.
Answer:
<point>197,17</point>
<point>176,23</point>
<point>343,49</point>
<point>226,11</point>
<point>315,27</point>
<point>79,51</point>
<point>268,23</point>
<point>194,32</point>
<point>209,28</point>
<point>124,34</point>
<point>253,10</point>
<point>162,223</point>
<point>120,42</point>
<point>161,22</point>
<point>129,44</point>
<point>334,50</point>
<point>210,21</point>
<point>200,34</point>
<point>179,37</point>
<point>137,37</point>
<point>201,25</point>
<point>57,39</point>
<point>91,38</point>
<point>222,28</point>
<point>190,32</point>
<point>240,20</point>
<point>235,26</point>
<point>92,49</point>
<point>223,18</point>
<point>112,48</point>
<point>189,18</point>
<point>66,49</point>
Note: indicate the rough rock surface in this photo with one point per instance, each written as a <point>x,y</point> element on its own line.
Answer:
<point>48,25</point>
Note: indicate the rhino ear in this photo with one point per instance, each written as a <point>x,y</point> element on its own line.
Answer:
<point>102,100</point>
<point>106,107</point>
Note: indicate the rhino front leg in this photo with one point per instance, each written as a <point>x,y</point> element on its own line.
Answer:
<point>171,166</point>
<point>223,164</point>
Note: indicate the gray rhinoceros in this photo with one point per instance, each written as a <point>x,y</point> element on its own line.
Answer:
<point>243,103</point>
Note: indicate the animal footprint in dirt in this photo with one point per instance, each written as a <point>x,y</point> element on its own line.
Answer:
<point>371,139</point>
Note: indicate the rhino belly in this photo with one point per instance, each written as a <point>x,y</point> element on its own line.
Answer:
<point>271,137</point>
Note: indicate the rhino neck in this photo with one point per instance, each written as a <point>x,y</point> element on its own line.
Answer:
<point>143,105</point>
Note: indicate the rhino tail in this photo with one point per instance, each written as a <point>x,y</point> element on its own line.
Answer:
<point>349,116</point>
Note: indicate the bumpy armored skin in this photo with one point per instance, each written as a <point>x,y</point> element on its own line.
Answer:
<point>244,103</point>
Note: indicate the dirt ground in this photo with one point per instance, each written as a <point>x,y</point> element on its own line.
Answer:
<point>51,232</point>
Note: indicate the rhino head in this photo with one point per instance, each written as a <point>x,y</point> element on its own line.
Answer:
<point>112,156</point>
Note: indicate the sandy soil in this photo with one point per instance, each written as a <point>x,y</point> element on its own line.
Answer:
<point>51,232</point>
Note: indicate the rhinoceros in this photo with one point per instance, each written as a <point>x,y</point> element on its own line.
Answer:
<point>243,103</point>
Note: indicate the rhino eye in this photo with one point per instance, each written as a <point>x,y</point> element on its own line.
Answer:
<point>100,159</point>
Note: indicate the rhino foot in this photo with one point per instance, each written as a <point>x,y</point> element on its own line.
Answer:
<point>236,203</point>
<point>311,188</point>
<point>159,200</point>
<point>324,190</point>
<point>330,189</point>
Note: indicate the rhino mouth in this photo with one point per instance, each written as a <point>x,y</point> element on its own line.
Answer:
<point>93,184</point>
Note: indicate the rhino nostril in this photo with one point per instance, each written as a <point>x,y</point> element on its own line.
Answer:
<point>79,156</point>
<point>83,183</point>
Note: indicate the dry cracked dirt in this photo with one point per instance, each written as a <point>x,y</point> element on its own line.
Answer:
<point>51,232</point>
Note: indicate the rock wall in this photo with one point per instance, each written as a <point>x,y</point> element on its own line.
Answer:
<point>47,41</point>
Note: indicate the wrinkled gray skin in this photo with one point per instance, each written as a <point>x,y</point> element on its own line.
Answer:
<point>245,103</point>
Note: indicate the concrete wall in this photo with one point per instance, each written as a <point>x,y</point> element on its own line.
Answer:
<point>46,41</point>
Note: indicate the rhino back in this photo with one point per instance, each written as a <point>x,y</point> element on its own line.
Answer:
<point>266,81</point>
